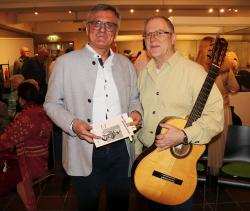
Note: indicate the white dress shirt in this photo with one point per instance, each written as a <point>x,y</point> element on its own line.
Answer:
<point>106,103</point>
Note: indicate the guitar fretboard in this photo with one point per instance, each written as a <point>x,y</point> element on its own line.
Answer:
<point>203,95</point>
<point>218,53</point>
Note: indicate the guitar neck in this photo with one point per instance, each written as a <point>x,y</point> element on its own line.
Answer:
<point>203,95</point>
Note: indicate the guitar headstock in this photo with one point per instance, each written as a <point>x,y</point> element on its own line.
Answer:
<point>218,52</point>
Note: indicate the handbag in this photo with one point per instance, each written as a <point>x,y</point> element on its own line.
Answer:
<point>7,158</point>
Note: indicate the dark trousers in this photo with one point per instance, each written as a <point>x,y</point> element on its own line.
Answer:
<point>110,170</point>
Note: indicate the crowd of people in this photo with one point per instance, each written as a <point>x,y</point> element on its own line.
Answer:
<point>91,85</point>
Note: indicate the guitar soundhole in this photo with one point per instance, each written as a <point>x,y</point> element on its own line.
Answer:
<point>181,151</point>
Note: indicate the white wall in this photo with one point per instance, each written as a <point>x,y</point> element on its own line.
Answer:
<point>10,49</point>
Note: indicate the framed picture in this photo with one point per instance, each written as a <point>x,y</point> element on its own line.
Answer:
<point>5,75</point>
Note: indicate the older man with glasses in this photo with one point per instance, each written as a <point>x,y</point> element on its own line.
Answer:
<point>168,87</point>
<point>89,86</point>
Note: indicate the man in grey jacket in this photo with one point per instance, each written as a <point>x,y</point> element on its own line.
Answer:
<point>89,86</point>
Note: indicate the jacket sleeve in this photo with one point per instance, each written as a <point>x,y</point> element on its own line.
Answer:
<point>135,104</point>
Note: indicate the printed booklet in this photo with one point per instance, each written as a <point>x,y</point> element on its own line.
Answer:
<point>112,130</point>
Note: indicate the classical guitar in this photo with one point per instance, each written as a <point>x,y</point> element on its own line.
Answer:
<point>170,176</point>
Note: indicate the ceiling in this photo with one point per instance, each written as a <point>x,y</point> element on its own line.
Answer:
<point>189,16</point>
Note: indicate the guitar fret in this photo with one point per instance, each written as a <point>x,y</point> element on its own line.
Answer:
<point>205,91</point>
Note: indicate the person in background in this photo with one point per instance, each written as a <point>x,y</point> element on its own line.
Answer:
<point>168,86</point>
<point>57,133</point>
<point>86,87</point>
<point>15,81</point>
<point>1,81</point>
<point>34,82</point>
<point>142,60</point>
<point>25,54</point>
<point>4,117</point>
<point>35,68</point>
<point>234,66</point>
<point>27,137</point>
<point>233,62</point>
<point>227,83</point>
<point>51,65</point>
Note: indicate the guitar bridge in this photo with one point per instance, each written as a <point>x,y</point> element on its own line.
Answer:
<point>167,177</point>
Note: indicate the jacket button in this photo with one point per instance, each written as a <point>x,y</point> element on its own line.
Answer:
<point>93,62</point>
<point>89,100</point>
<point>157,93</point>
<point>153,112</point>
<point>89,120</point>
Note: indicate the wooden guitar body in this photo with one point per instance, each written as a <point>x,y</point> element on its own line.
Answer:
<point>170,176</point>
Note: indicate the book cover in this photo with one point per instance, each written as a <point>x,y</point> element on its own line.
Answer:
<point>114,129</point>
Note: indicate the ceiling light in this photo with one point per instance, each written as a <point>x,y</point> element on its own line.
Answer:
<point>210,10</point>
<point>131,10</point>
<point>69,11</point>
<point>170,10</point>
<point>222,10</point>
<point>229,10</point>
<point>35,13</point>
<point>235,10</point>
<point>157,10</point>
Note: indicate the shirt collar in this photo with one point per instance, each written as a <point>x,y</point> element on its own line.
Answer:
<point>96,55</point>
<point>151,66</point>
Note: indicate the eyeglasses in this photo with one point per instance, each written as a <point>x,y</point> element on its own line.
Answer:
<point>109,26</point>
<point>158,34</point>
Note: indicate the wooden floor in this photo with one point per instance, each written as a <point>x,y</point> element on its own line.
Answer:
<point>52,196</point>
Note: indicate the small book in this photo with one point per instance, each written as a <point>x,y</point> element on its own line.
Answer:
<point>114,129</point>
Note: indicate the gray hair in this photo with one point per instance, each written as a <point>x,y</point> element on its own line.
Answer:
<point>169,23</point>
<point>104,7</point>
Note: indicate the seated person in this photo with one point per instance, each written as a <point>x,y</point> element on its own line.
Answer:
<point>4,117</point>
<point>15,80</point>
<point>27,137</point>
<point>233,62</point>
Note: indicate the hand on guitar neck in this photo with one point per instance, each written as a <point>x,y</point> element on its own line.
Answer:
<point>173,137</point>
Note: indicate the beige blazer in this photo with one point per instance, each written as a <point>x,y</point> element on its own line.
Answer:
<point>70,93</point>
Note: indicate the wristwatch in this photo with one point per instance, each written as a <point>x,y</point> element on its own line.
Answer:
<point>185,139</point>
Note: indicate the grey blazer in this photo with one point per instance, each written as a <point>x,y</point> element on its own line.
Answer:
<point>70,94</point>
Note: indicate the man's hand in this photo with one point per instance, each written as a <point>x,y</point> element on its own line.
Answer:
<point>173,137</point>
<point>82,130</point>
<point>137,119</point>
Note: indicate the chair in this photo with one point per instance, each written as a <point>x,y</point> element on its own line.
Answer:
<point>202,175</point>
<point>236,164</point>
<point>51,165</point>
